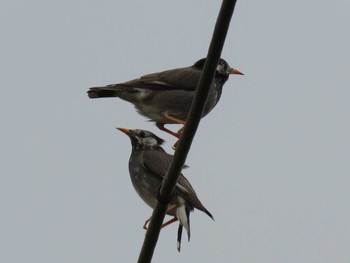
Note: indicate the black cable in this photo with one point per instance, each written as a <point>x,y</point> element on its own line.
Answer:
<point>182,149</point>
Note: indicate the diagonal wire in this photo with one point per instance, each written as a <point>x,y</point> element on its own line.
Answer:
<point>182,149</point>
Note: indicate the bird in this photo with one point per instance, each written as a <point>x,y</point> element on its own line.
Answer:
<point>166,97</point>
<point>148,165</point>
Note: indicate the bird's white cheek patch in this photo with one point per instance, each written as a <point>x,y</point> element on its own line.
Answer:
<point>151,142</point>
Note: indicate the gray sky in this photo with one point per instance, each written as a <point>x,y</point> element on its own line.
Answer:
<point>270,162</point>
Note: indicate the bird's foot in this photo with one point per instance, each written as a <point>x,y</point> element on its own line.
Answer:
<point>162,128</point>
<point>145,225</point>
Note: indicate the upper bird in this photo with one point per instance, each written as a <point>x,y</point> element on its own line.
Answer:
<point>148,165</point>
<point>166,97</point>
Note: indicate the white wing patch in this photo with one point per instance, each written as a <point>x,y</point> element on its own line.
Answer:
<point>157,82</point>
<point>182,188</point>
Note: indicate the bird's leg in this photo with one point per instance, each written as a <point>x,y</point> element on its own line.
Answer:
<point>178,132</point>
<point>171,207</point>
<point>181,130</point>
<point>175,145</point>
<point>176,120</point>
<point>173,119</point>
<point>174,219</point>
<point>166,223</point>
<point>161,127</point>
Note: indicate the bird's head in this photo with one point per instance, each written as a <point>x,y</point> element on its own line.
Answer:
<point>141,139</point>
<point>223,69</point>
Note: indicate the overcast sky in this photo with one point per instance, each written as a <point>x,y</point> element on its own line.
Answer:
<point>270,162</point>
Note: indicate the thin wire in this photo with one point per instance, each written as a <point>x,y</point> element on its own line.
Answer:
<point>182,149</point>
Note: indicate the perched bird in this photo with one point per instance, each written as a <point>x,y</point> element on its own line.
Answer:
<point>165,97</point>
<point>148,165</point>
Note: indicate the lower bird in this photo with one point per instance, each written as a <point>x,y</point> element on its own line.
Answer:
<point>148,165</point>
<point>166,97</point>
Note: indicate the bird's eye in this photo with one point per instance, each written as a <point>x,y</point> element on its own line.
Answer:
<point>142,134</point>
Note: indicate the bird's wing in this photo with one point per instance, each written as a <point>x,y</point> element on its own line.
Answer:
<point>158,162</point>
<point>181,78</point>
<point>175,79</point>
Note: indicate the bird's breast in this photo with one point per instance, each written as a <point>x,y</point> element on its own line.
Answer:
<point>145,184</point>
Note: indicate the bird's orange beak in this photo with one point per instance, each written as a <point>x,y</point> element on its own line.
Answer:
<point>235,71</point>
<point>126,131</point>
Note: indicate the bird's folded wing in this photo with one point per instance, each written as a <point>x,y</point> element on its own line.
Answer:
<point>182,78</point>
<point>158,163</point>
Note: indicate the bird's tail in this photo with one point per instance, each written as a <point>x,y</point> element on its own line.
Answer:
<point>179,235</point>
<point>183,215</point>
<point>103,92</point>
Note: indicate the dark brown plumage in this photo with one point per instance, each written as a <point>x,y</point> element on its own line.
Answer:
<point>148,165</point>
<point>165,97</point>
